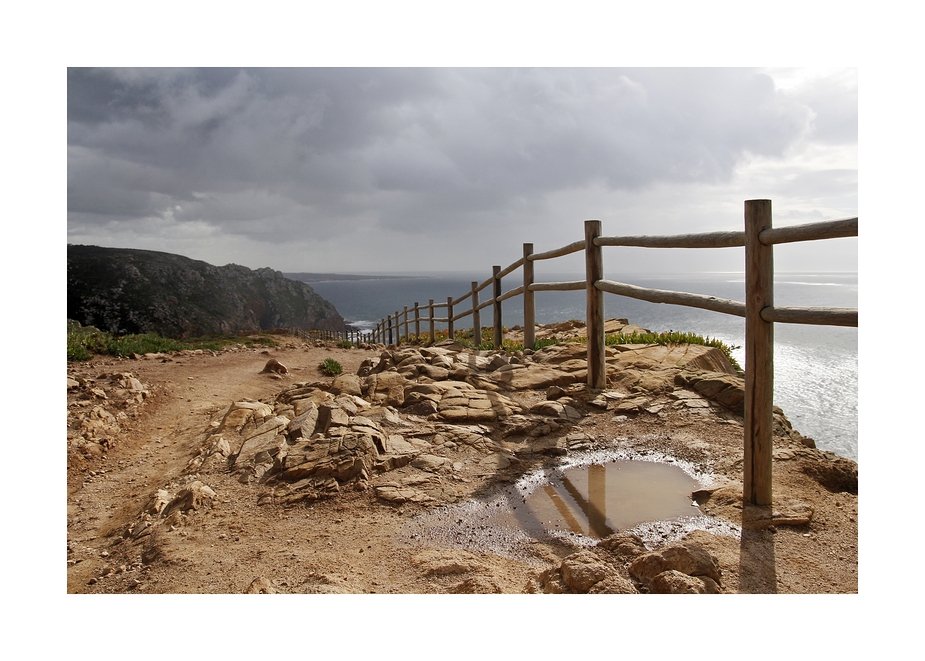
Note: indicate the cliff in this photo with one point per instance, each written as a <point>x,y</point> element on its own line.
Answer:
<point>123,290</point>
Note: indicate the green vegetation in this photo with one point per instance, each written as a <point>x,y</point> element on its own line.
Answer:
<point>346,344</point>
<point>673,337</point>
<point>83,342</point>
<point>330,367</point>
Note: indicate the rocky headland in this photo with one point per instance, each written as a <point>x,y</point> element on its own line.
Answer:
<point>205,472</point>
<point>121,290</point>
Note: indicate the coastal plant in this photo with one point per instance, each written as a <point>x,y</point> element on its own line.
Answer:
<point>674,337</point>
<point>346,344</point>
<point>84,342</point>
<point>330,367</point>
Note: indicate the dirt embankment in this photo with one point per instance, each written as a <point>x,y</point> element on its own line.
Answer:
<point>156,505</point>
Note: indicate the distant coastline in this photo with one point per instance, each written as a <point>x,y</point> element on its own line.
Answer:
<point>339,277</point>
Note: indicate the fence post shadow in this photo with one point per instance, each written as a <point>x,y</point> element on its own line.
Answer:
<point>757,562</point>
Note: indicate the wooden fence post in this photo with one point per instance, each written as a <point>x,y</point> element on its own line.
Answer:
<point>417,322</point>
<point>594,270</point>
<point>759,355</point>
<point>397,329</point>
<point>476,318</point>
<point>450,333</point>
<point>529,306</point>
<point>406,323</point>
<point>433,337</point>
<point>498,338</point>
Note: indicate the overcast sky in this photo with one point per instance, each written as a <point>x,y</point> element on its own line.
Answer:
<point>398,170</point>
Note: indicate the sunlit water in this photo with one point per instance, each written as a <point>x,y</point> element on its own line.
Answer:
<point>815,367</point>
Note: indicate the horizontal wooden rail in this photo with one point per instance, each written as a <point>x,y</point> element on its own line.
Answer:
<point>817,316</point>
<point>510,269</point>
<point>703,240</point>
<point>485,304</point>
<point>459,300</point>
<point>461,315</point>
<point>674,297</point>
<point>829,229</point>
<point>573,285</point>
<point>517,291</point>
<point>559,252</point>
<point>485,284</point>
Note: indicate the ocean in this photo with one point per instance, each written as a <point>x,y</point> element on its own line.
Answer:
<point>815,367</point>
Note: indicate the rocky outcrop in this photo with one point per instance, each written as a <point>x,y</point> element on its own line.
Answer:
<point>98,409</point>
<point>138,291</point>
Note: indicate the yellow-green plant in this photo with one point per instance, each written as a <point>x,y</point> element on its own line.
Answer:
<point>330,367</point>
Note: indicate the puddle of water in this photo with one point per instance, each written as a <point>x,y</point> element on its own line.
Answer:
<point>587,497</point>
<point>599,500</point>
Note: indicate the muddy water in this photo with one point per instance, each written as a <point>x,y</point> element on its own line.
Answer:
<point>588,498</point>
<point>598,500</point>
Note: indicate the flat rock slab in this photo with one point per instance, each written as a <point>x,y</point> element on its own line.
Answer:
<point>395,493</point>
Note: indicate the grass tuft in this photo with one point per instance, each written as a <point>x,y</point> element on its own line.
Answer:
<point>330,367</point>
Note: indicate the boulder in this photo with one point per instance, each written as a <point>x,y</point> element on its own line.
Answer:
<point>835,473</point>
<point>676,582</point>
<point>685,558</point>
<point>386,389</point>
<point>346,384</point>
<point>241,413</point>
<point>303,425</point>
<point>275,367</point>
<point>580,572</point>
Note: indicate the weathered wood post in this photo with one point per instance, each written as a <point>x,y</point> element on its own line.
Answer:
<point>389,323</point>
<point>450,334</point>
<point>430,309</point>
<point>476,317</point>
<point>759,355</point>
<point>406,323</point>
<point>498,338</point>
<point>529,306</point>
<point>417,322</point>
<point>594,271</point>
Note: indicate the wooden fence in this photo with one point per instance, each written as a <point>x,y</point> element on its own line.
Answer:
<point>759,311</point>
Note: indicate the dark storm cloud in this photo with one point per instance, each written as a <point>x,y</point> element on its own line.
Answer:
<point>256,152</point>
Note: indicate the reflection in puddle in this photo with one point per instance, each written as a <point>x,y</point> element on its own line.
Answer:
<point>589,497</point>
<point>598,500</point>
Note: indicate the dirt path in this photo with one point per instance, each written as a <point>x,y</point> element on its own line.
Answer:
<point>356,543</point>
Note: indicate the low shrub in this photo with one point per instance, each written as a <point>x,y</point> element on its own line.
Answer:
<point>83,342</point>
<point>330,367</point>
